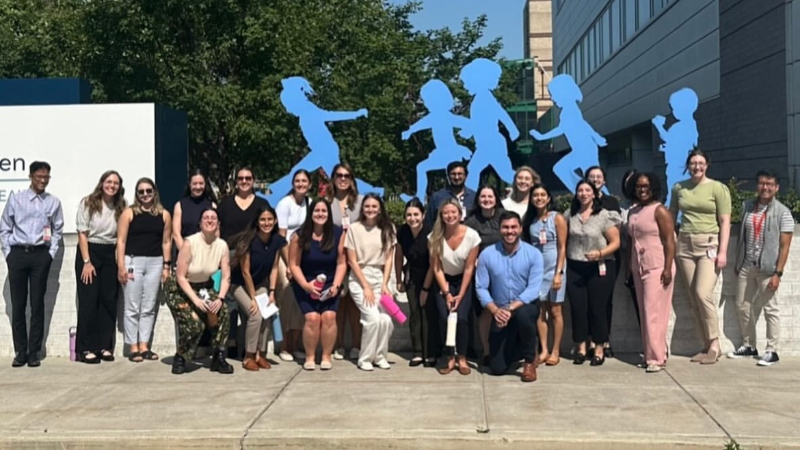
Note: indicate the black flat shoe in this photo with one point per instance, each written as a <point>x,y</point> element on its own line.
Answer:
<point>33,361</point>
<point>19,360</point>
<point>218,363</point>
<point>608,352</point>
<point>580,358</point>
<point>430,362</point>
<point>597,360</point>
<point>93,360</point>
<point>417,361</point>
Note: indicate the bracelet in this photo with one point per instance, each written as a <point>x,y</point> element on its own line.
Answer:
<point>425,289</point>
<point>167,263</point>
<point>271,290</point>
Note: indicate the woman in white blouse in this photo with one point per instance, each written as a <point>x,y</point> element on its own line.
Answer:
<point>291,211</point>
<point>454,249</point>
<point>96,268</point>
<point>518,201</point>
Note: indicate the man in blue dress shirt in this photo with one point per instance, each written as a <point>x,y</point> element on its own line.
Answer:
<point>30,231</point>
<point>508,279</point>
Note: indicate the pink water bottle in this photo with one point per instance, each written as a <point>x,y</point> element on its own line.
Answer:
<point>319,283</point>
<point>391,307</point>
<point>73,333</point>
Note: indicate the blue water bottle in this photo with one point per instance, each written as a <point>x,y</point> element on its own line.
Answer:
<point>277,332</point>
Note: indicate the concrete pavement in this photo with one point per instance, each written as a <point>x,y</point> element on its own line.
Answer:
<point>125,405</point>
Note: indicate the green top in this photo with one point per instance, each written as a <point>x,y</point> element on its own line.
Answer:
<point>700,205</point>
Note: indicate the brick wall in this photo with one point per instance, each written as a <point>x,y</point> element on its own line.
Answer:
<point>61,313</point>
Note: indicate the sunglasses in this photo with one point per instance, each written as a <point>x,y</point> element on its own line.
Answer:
<point>344,176</point>
<point>148,191</point>
<point>244,178</point>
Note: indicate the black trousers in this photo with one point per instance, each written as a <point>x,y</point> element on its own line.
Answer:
<point>588,297</point>
<point>464,310</point>
<point>28,268</point>
<point>97,301</point>
<point>423,322</point>
<point>517,338</point>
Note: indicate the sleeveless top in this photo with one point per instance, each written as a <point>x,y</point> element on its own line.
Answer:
<point>648,251</point>
<point>145,234</point>
<point>262,258</point>
<point>206,258</point>
<point>315,261</point>
<point>191,209</point>
<point>549,252</point>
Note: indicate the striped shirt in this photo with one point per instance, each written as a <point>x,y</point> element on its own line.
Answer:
<point>753,246</point>
<point>25,218</point>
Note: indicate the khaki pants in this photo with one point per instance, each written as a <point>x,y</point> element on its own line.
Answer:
<point>700,273</point>
<point>752,295</point>
<point>258,329</point>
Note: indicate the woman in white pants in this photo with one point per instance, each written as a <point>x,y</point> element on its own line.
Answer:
<point>144,243</point>
<point>370,249</point>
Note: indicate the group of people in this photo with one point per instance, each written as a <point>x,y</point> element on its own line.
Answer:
<point>483,274</point>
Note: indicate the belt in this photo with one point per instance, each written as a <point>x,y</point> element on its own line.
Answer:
<point>31,248</point>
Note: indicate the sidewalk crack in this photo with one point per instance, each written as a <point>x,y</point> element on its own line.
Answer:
<point>265,409</point>
<point>697,402</point>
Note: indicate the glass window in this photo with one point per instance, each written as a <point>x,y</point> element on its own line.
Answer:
<point>587,50</point>
<point>602,41</point>
<point>581,66</point>
<point>644,12</point>
<point>575,67</point>
<point>616,21</point>
<point>630,19</point>
<point>658,5</point>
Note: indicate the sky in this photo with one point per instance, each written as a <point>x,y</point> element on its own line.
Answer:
<point>505,19</point>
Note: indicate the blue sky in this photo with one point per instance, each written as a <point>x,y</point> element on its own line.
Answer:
<point>505,19</point>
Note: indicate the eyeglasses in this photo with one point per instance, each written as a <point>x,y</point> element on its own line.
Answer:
<point>695,164</point>
<point>41,177</point>
<point>643,187</point>
<point>458,174</point>
<point>248,178</point>
<point>343,176</point>
<point>148,191</point>
<point>767,184</point>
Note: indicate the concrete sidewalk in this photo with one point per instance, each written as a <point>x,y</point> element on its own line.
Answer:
<point>124,405</point>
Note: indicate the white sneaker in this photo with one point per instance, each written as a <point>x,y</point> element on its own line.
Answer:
<point>366,367</point>
<point>354,353</point>
<point>338,354</point>
<point>285,356</point>
<point>383,364</point>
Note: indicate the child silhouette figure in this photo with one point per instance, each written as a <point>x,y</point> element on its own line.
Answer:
<point>581,137</point>
<point>324,153</point>
<point>441,121</point>
<point>681,137</point>
<point>481,77</point>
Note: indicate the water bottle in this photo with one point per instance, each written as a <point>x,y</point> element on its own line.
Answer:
<point>388,303</point>
<point>73,333</point>
<point>452,322</point>
<point>277,331</point>
<point>318,283</point>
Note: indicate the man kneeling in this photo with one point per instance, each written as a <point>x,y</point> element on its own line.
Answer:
<point>508,280</point>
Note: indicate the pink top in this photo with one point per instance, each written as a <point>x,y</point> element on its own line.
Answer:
<point>648,250</point>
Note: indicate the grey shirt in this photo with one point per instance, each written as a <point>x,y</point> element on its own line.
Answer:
<point>352,213</point>
<point>590,235</point>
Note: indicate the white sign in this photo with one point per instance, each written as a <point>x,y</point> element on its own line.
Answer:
<point>80,142</point>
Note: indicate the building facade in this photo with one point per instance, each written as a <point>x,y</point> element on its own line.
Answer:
<point>538,47</point>
<point>740,57</point>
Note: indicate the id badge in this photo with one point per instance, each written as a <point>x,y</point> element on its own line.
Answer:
<point>345,221</point>
<point>47,234</point>
<point>542,236</point>
<point>711,253</point>
<point>602,267</point>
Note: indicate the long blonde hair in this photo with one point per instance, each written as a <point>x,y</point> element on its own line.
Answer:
<point>436,243</point>
<point>136,207</point>
<point>535,179</point>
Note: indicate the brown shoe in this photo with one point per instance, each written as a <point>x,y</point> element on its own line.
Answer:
<point>698,357</point>
<point>250,364</point>
<point>464,369</point>
<point>711,357</point>
<point>529,372</point>
<point>263,363</point>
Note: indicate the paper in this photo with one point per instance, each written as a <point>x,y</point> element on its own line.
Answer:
<point>325,295</point>
<point>267,309</point>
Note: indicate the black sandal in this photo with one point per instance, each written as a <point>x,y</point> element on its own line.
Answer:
<point>106,355</point>
<point>132,357</point>
<point>597,360</point>
<point>580,358</point>
<point>86,360</point>
<point>149,356</point>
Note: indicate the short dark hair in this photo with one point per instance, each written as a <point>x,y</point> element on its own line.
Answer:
<point>768,173</point>
<point>39,165</point>
<point>508,215</point>
<point>590,169</point>
<point>456,164</point>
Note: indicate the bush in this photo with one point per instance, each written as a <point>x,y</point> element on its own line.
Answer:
<point>396,210</point>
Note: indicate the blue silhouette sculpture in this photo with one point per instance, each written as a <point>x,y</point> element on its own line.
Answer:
<point>581,137</point>
<point>481,77</point>
<point>681,137</point>
<point>324,153</point>
<point>441,121</point>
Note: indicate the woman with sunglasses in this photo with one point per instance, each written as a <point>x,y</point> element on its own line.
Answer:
<point>144,243</point>
<point>291,211</point>
<point>237,211</point>
<point>345,206</point>
<point>197,197</point>
<point>96,268</point>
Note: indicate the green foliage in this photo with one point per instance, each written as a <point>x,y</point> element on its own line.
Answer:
<point>563,202</point>
<point>790,198</point>
<point>396,210</point>
<point>733,445</point>
<point>221,61</point>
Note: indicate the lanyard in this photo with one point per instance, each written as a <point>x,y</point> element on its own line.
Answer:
<point>758,226</point>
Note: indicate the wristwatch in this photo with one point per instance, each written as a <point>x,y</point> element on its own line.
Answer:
<point>779,273</point>
<point>87,260</point>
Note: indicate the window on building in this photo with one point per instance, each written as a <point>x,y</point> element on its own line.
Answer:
<point>588,44</point>
<point>615,27</point>
<point>644,12</point>
<point>658,5</point>
<point>630,19</point>
<point>602,40</point>
<point>581,62</point>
